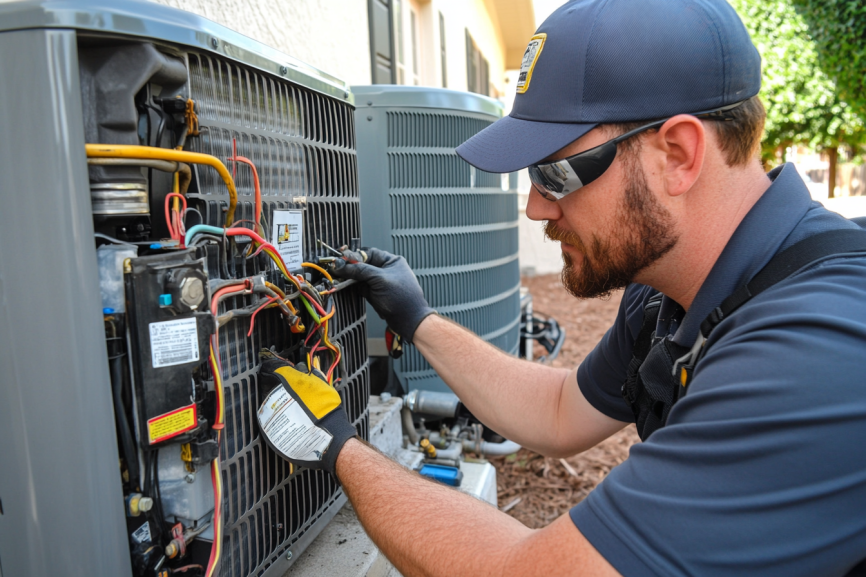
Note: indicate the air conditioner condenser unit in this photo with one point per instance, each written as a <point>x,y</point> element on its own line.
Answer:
<point>164,183</point>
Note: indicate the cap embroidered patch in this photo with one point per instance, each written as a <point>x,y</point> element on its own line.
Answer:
<point>530,57</point>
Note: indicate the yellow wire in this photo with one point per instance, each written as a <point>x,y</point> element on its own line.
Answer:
<point>218,388</point>
<point>175,204</point>
<point>318,268</point>
<point>282,295</point>
<point>132,151</point>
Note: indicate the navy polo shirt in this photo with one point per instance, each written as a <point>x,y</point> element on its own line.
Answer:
<point>761,469</point>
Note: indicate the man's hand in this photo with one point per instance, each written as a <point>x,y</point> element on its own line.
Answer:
<point>390,286</point>
<point>301,417</point>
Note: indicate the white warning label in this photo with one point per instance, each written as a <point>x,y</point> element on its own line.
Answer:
<point>142,534</point>
<point>288,236</point>
<point>173,342</point>
<point>289,429</point>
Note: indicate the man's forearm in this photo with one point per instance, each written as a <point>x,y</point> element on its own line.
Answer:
<point>422,526</point>
<point>538,406</point>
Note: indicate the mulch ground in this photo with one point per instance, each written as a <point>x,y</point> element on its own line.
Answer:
<point>536,489</point>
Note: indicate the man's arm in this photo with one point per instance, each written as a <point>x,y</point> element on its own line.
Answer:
<point>425,528</point>
<point>537,406</point>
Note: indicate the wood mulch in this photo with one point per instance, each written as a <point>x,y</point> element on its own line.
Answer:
<point>536,489</point>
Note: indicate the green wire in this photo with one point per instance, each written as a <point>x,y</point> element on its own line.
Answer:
<point>310,309</point>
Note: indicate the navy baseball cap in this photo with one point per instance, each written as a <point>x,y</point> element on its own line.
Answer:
<point>607,61</point>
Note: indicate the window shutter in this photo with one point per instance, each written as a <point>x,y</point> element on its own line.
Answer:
<point>382,64</point>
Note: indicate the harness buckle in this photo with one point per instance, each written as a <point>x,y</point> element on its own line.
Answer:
<point>688,360</point>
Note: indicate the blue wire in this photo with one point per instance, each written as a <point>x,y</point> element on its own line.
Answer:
<point>202,228</point>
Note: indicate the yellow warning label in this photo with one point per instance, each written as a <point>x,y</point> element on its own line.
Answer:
<point>171,424</point>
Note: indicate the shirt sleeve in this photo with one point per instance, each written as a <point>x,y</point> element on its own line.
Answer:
<point>761,469</point>
<point>601,374</point>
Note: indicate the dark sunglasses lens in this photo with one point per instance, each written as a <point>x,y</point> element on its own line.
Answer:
<point>554,180</point>
<point>592,163</point>
<point>544,187</point>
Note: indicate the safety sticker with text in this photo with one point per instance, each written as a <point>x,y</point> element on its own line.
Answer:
<point>171,424</point>
<point>142,534</point>
<point>288,236</point>
<point>173,342</point>
<point>289,429</point>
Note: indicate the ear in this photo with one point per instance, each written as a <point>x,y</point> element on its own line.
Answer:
<point>681,145</point>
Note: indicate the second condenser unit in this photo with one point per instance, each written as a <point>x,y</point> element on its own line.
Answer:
<point>456,225</point>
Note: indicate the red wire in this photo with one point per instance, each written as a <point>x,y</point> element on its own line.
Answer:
<point>253,317</point>
<point>173,232</point>
<point>240,286</point>
<point>216,518</point>
<point>315,347</point>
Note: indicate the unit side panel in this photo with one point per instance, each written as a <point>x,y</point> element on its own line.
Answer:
<point>59,482</point>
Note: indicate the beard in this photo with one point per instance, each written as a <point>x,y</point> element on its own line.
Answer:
<point>644,232</point>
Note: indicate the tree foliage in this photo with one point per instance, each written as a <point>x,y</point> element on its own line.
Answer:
<point>838,28</point>
<point>803,104</point>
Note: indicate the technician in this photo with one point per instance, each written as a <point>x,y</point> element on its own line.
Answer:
<point>759,467</point>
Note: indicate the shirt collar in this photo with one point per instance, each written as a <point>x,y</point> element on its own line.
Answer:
<point>755,241</point>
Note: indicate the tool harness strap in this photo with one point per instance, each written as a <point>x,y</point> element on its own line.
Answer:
<point>660,370</point>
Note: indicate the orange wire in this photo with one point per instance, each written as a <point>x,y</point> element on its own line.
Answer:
<point>256,186</point>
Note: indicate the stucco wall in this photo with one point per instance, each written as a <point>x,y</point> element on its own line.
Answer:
<point>472,14</point>
<point>332,35</point>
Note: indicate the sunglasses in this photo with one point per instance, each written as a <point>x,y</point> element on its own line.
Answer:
<point>554,180</point>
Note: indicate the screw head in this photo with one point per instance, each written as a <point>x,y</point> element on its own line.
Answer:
<point>284,70</point>
<point>191,292</point>
<point>288,555</point>
<point>214,42</point>
<point>369,118</point>
<point>189,478</point>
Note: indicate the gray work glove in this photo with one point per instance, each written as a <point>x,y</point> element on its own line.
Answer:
<point>390,286</point>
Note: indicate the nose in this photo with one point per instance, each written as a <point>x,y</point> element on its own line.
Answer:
<point>539,208</point>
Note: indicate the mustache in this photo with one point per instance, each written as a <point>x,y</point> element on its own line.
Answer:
<point>552,232</point>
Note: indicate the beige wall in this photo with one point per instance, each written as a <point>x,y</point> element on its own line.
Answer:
<point>332,35</point>
<point>474,15</point>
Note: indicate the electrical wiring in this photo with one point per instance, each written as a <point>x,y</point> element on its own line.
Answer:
<point>280,292</point>
<point>172,217</point>
<point>256,187</point>
<point>318,268</point>
<point>132,151</point>
<point>253,317</point>
<point>216,477</point>
<point>239,288</point>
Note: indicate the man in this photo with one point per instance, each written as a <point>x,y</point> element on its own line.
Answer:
<point>758,468</point>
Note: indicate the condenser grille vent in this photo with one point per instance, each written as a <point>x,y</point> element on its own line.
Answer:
<point>453,249</point>
<point>426,129</point>
<point>303,145</point>
<point>448,289</point>
<point>485,321</point>
<point>456,225</point>
<point>438,210</point>
<point>437,170</point>
<point>232,94</point>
